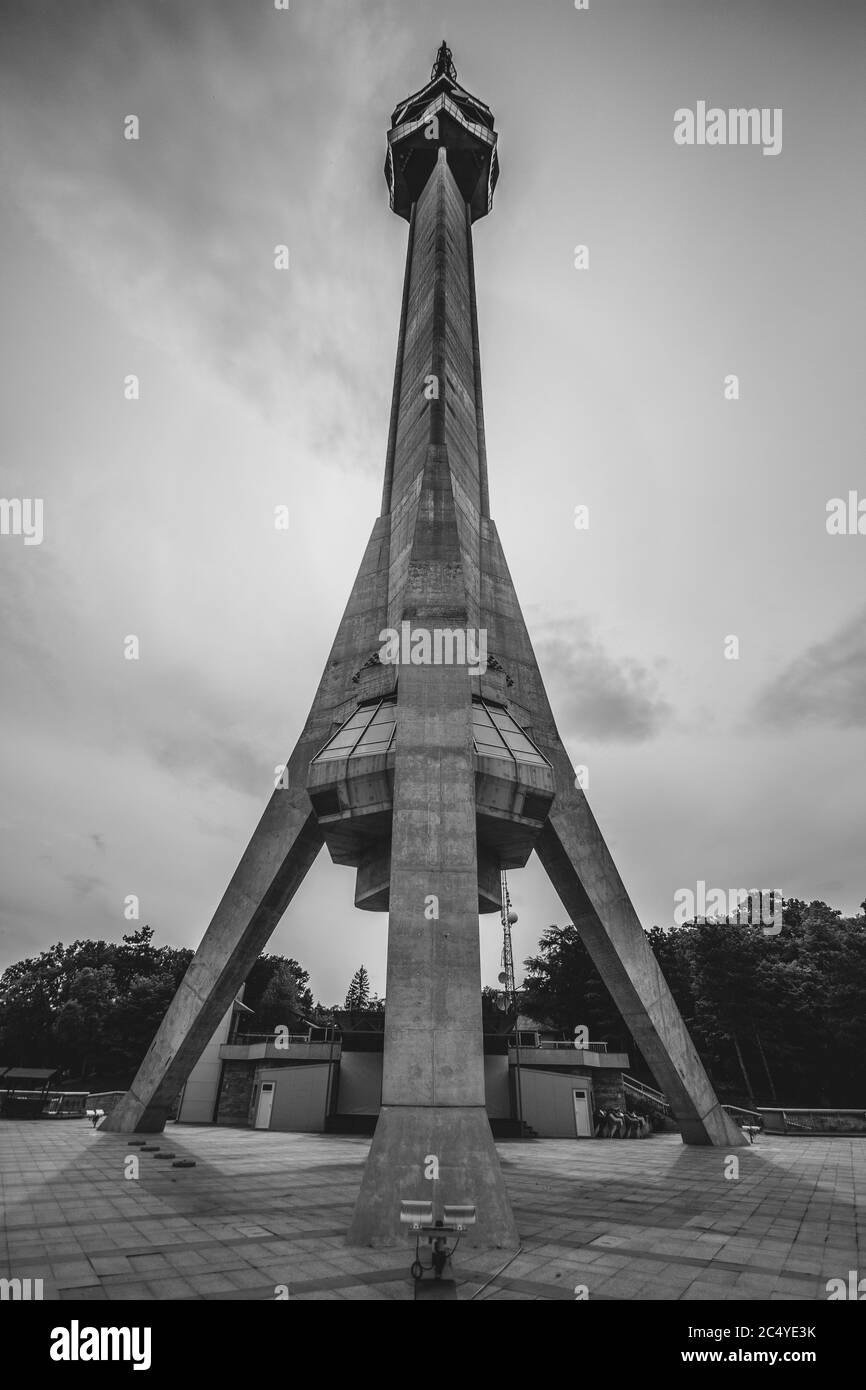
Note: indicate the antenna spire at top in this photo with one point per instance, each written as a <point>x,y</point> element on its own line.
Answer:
<point>444,64</point>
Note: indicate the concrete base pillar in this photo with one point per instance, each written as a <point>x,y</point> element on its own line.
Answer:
<point>407,1137</point>
<point>580,867</point>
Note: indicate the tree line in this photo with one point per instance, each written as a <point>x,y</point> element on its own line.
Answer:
<point>92,1008</point>
<point>776,1019</point>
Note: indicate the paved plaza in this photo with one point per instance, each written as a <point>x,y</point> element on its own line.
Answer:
<point>645,1219</point>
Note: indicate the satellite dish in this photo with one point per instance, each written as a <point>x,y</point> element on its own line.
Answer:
<point>502,977</point>
<point>512,917</point>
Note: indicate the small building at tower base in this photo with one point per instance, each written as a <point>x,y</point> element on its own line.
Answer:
<point>328,1078</point>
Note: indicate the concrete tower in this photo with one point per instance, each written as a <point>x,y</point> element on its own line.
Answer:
<point>430,759</point>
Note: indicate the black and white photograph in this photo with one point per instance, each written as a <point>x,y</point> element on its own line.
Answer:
<point>433,652</point>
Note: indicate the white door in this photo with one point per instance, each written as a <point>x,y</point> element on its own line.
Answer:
<point>266,1101</point>
<point>582,1117</point>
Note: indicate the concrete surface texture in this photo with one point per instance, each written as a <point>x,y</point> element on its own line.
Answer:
<point>264,1214</point>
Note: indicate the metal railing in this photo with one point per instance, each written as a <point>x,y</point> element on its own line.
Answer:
<point>646,1093</point>
<point>814,1120</point>
<point>442,103</point>
<point>528,1039</point>
<point>245,1039</point>
<point>64,1103</point>
<point>735,1110</point>
<point>104,1100</point>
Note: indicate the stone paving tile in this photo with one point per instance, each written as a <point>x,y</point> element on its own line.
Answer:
<point>174,1287</point>
<point>186,1259</point>
<point>250,1279</point>
<point>148,1264</point>
<point>394,1291</point>
<point>75,1274</point>
<point>633,1222</point>
<point>125,1291</point>
<point>210,1283</point>
<point>318,1297</point>
<point>111,1264</point>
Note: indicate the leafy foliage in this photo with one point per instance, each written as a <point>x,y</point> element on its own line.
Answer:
<point>358,996</point>
<point>563,988</point>
<point>92,1008</point>
<point>776,1019</point>
<point>277,992</point>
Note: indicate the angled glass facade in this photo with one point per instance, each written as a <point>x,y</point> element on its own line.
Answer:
<point>371,730</point>
<point>497,735</point>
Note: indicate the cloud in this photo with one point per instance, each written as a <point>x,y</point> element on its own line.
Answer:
<point>84,883</point>
<point>240,150</point>
<point>824,685</point>
<point>596,695</point>
<point>205,747</point>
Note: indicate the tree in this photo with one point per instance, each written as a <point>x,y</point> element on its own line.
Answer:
<point>277,985</point>
<point>93,1007</point>
<point>80,1023</point>
<point>280,1003</point>
<point>138,1012</point>
<point>27,1017</point>
<point>775,1018</point>
<point>564,988</point>
<point>359,991</point>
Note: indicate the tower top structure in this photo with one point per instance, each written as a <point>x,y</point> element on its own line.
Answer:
<point>442,115</point>
<point>444,63</point>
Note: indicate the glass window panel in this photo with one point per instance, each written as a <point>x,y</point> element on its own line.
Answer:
<point>517,742</point>
<point>491,750</point>
<point>344,739</point>
<point>338,749</point>
<point>386,715</point>
<point>358,721</point>
<point>374,730</point>
<point>361,716</point>
<point>381,736</point>
<point>347,735</point>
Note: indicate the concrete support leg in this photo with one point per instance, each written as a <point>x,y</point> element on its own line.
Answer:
<point>580,867</point>
<point>284,845</point>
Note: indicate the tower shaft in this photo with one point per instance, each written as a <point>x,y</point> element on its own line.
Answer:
<point>438,350</point>
<point>431,776</point>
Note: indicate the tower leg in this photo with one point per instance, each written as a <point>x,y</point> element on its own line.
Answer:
<point>581,869</point>
<point>459,1138</point>
<point>433,1077</point>
<point>284,845</point>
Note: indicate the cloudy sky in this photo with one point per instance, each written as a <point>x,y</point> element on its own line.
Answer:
<point>603,387</point>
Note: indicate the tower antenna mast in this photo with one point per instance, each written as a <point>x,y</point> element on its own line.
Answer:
<point>509,917</point>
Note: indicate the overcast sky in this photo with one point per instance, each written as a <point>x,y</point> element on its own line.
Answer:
<point>602,387</point>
